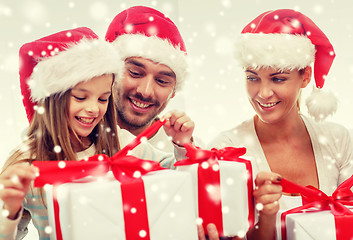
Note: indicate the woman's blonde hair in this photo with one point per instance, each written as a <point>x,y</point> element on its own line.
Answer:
<point>301,72</point>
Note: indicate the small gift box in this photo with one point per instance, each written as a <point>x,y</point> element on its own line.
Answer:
<point>223,187</point>
<point>121,197</point>
<point>320,217</point>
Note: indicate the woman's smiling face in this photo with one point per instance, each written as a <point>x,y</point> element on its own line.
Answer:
<point>274,93</point>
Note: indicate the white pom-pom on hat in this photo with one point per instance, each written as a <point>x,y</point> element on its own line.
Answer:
<point>321,104</point>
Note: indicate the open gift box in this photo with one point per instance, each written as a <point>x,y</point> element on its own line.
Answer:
<point>223,188</point>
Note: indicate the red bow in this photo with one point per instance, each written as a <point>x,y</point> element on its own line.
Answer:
<point>198,155</point>
<point>314,198</point>
<point>123,167</point>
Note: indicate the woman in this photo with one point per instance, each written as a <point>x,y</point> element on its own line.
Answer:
<point>276,51</point>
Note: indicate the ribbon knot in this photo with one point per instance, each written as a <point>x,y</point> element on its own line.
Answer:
<point>197,155</point>
<point>314,198</point>
<point>123,166</point>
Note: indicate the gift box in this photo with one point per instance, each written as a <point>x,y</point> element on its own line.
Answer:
<point>223,187</point>
<point>320,217</point>
<point>95,210</point>
<point>121,197</point>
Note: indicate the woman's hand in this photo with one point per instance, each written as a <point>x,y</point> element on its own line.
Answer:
<point>267,193</point>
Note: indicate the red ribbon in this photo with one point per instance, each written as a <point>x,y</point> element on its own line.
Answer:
<point>126,169</point>
<point>314,198</point>
<point>209,177</point>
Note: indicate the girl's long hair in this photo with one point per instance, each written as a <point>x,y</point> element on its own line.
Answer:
<point>49,132</point>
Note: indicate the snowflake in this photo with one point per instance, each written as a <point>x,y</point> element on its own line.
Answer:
<point>48,229</point>
<point>71,4</point>
<point>83,200</point>
<point>215,167</point>
<point>163,197</point>
<point>137,174</point>
<point>225,209</point>
<point>199,221</point>
<point>57,149</point>
<point>154,187</point>
<point>98,10</point>
<point>5,213</point>
<point>142,233</point>
<point>61,164</point>
<point>241,234</point>
<point>226,3</point>
<point>15,179</point>
<point>161,145</point>
<point>5,11</point>
<point>205,165</point>
<point>40,110</point>
<point>230,181</point>
<point>318,9</point>
<point>259,206</point>
<point>177,198</point>
<point>133,210</point>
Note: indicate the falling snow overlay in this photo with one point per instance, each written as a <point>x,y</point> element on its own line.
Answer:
<point>214,95</point>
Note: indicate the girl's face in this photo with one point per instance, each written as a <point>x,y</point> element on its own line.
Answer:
<point>274,93</point>
<point>88,104</point>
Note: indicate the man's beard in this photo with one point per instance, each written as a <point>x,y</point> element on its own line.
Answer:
<point>134,121</point>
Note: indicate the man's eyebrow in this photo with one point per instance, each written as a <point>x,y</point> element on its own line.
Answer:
<point>168,73</point>
<point>134,62</point>
<point>139,64</point>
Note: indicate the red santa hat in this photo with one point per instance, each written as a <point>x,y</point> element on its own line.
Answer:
<point>58,62</point>
<point>145,32</point>
<point>286,39</point>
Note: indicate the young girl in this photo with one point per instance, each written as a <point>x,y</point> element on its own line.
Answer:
<point>66,82</point>
<point>276,52</point>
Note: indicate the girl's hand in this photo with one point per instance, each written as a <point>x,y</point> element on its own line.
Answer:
<point>179,127</point>
<point>14,185</point>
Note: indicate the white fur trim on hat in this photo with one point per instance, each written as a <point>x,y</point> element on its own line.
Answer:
<point>283,51</point>
<point>155,49</point>
<point>79,62</point>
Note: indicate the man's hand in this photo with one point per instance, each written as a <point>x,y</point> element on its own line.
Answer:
<point>179,127</point>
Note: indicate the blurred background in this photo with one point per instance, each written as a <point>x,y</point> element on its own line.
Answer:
<point>214,95</point>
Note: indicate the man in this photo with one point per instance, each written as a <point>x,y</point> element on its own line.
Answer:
<point>155,69</point>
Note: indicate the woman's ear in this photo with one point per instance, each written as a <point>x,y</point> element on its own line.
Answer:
<point>306,76</point>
